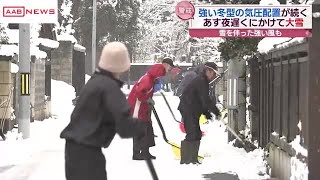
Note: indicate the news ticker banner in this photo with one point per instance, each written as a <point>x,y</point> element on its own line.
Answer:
<point>247,21</point>
<point>28,11</point>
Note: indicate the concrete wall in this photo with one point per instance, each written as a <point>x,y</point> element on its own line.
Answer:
<point>280,163</point>
<point>5,88</point>
<point>61,62</point>
<point>38,90</point>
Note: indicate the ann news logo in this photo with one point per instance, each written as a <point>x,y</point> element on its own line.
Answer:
<point>22,11</point>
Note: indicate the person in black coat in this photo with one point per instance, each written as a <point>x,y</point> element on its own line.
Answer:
<point>101,111</point>
<point>194,101</point>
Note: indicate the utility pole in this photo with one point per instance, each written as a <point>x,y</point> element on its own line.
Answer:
<point>94,34</point>
<point>24,79</point>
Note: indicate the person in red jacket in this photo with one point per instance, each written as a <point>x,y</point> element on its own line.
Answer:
<point>140,100</point>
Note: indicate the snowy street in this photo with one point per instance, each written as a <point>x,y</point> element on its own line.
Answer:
<point>42,156</point>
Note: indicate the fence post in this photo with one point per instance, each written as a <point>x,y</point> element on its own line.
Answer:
<point>314,98</point>
<point>254,97</point>
<point>242,96</point>
<point>237,95</point>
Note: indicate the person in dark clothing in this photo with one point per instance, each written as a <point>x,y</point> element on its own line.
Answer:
<point>188,77</point>
<point>195,101</point>
<point>101,111</point>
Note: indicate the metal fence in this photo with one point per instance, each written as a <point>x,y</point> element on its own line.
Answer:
<point>279,95</point>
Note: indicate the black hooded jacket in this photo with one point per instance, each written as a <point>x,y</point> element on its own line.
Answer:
<point>101,111</point>
<point>195,98</point>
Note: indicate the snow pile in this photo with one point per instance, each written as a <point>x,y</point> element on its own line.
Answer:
<point>59,107</point>
<point>299,170</point>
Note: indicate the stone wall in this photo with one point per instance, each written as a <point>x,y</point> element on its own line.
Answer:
<point>5,88</point>
<point>61,62</point>
<point>38,89</point>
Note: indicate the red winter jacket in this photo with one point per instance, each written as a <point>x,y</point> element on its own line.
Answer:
<point>142,91</point>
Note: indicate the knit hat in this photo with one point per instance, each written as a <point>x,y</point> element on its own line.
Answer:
<point>211,65</point>
<point>115,58</point>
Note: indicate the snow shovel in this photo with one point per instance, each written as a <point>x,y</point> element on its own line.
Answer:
<point>152,169</point>
<point>248,146</point>
<point>175,147</point>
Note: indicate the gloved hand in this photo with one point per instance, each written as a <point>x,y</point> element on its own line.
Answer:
<point>157,86</point>
<point>208,115</point>
<point>150,102</point>
<point>216,112</point>
<point>218,115</point>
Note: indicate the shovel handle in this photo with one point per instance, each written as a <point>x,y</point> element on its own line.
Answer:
<point>152,169</point>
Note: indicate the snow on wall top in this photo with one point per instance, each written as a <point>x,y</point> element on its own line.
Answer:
<point>80,48</point>
<point>66,37</point>
<point>47,42</point>
<point>268,44</point>
<point>11,49</point>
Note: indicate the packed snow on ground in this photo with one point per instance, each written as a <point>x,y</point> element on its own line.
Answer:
<point>42,155</point>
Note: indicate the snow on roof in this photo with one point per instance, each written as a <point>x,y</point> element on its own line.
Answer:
<point>80,48</point>
<point>47,42</point>
<point>11,49</point>
<point>14,68</point>
<point>268,44</point>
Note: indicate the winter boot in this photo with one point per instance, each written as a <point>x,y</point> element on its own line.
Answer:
<point>185,152</point>
<point>137,155</point>
<point>194,150</point>
<point>146,154</point>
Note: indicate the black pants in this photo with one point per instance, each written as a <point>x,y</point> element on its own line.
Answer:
<point>145,141</point>
<point>191,126</point>
<point>84,162</point>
